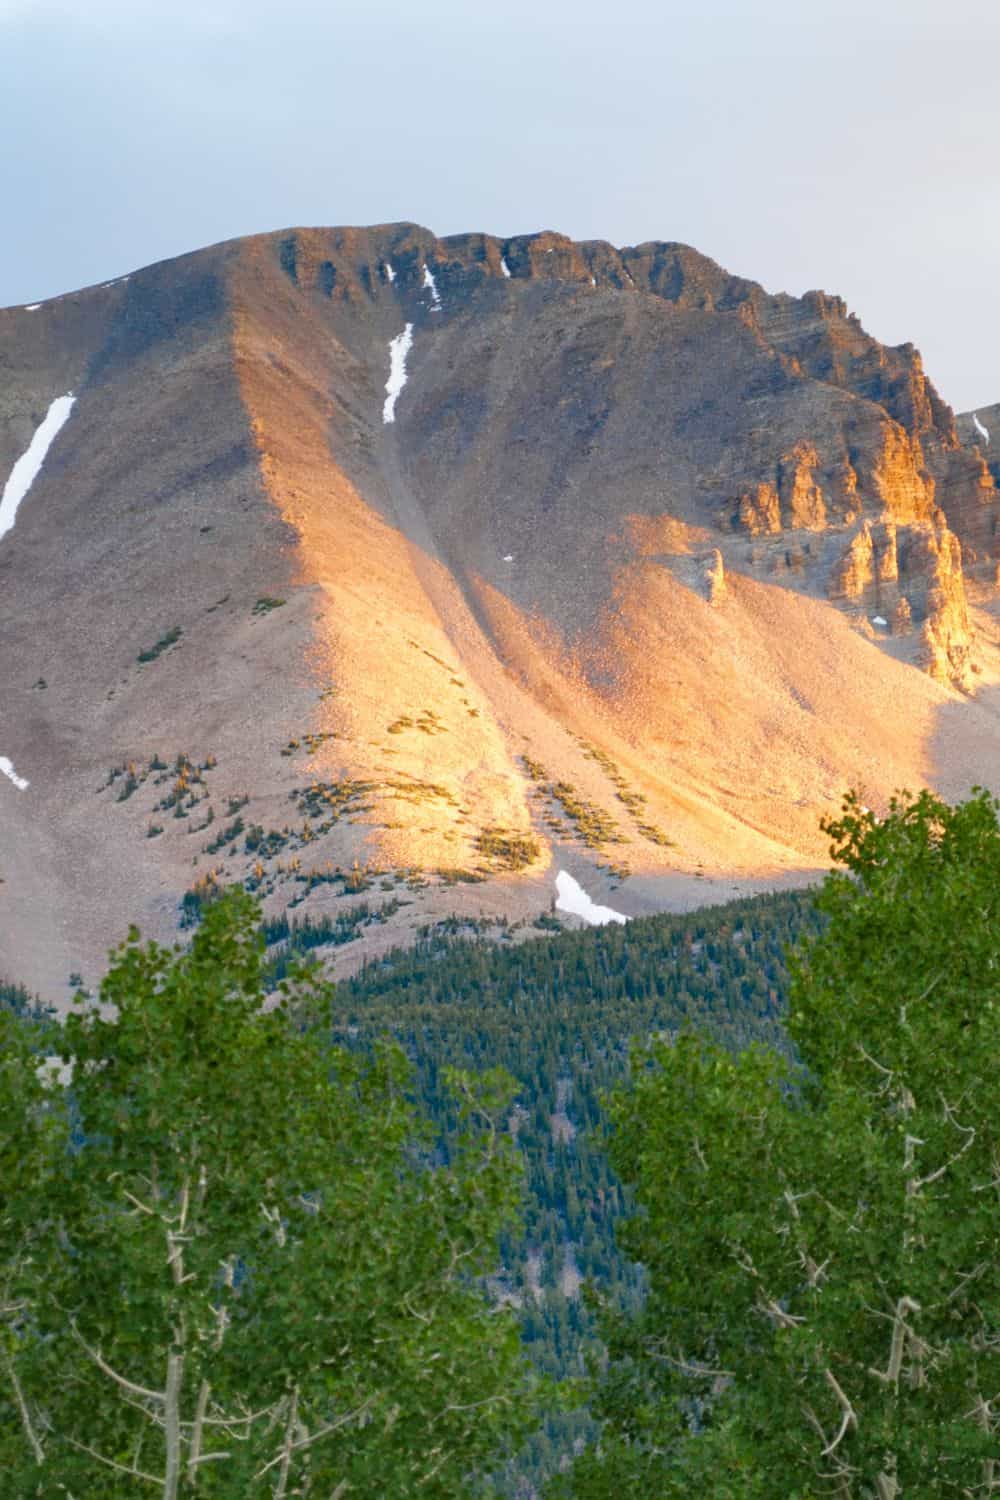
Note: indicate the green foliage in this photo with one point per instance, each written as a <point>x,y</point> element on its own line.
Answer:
<point>558,1014</point>
<point>634,801</point>
<point>311,742</point>
<point>225,836</point>
<point>20,1001</point>
<point>288,941</point>
<point>266,604</point>
<point>822,1237</point>
<point>594,826</point>
<point>232,1240</point>
<point>509,851</point>
<point>168,639</point>
<point>427,721</point>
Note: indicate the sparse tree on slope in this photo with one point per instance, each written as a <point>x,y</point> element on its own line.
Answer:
<point>250,1274</point>
<point>823,1239</point>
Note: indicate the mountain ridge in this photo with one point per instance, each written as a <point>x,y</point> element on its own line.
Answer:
<point>613,567</point>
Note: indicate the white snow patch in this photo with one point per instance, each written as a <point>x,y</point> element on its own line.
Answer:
<point>25,471</point>
<point>390,274</point>
<point>573,898</point>
<point>399,348</point>
<point>431,286</point>
<point>878,620</point>
<point>593,280</point>
<point>7,769</point>
<point>505,268</point>
<point>508,557</point>
<point>32,307</point>
<point>983,432</point>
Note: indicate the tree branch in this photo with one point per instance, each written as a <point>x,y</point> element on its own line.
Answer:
<point>141,1391</point>
<point>850,1418</point>
<point>22,1406</point>
<point>314,1437</point>
<point>134,1473</point>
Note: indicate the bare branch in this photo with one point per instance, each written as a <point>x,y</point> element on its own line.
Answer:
<point>900,1329</point>
<point>22,1406</point>
<point>886,1072</point>
<point>273,1217</point>
<point>194,1457</point>
<point>172,1425</point>
<point>133,1473</point>
<point>142,1391</point>
<point>322,1432</point>
<point>850,1417</point>
<point>144,1207</point>
<point>247,1421</point>
<point>696,1369</point>
<point>281,1488</point>
<point>777,1314</point>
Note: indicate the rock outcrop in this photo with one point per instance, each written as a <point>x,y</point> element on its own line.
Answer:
<point>715,579</point>
<point>630,576</point>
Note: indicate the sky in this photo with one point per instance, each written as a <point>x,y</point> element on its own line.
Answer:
<point>802,143</point>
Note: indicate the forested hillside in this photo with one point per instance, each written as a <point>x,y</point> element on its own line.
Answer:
<point>558,1013</point>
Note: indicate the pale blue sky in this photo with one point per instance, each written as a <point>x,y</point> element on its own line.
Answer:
<point>800,142</point>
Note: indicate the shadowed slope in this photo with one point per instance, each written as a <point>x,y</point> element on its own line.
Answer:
<point>649,566</point>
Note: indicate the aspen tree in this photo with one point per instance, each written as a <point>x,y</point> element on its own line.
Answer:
<point>821,1230</point>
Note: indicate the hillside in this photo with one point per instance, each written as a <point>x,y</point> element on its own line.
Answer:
<point>645,568</point>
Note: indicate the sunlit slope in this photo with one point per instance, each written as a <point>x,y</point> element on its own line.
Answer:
<point>648,567</point>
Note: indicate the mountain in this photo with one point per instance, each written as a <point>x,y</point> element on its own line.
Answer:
<point>364,561</point>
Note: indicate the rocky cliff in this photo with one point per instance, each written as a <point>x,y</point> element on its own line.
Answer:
<point>389,574</point>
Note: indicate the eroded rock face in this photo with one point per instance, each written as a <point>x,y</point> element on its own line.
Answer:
<point>854,575</point>
<point>898,476</point>
<point>802,421</point>
<point>627,502</point>
<point>902,617</point>
<point>933,562</point>
<point>911,574</point>
<point>760,510</point>
<point>802,498</point>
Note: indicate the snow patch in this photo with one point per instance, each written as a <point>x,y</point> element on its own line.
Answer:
<point>399,348</point>
<point>390,274</point>
<point>508,557</point>
<point>505,268</point>
<point>32,307</point>
<point>573,898</point>
<point>7,769</point>
<point>431,286</point>
<point>878,620</point>
<point>25,471</point>
<point>983,432</point>
<point>593,280</point>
